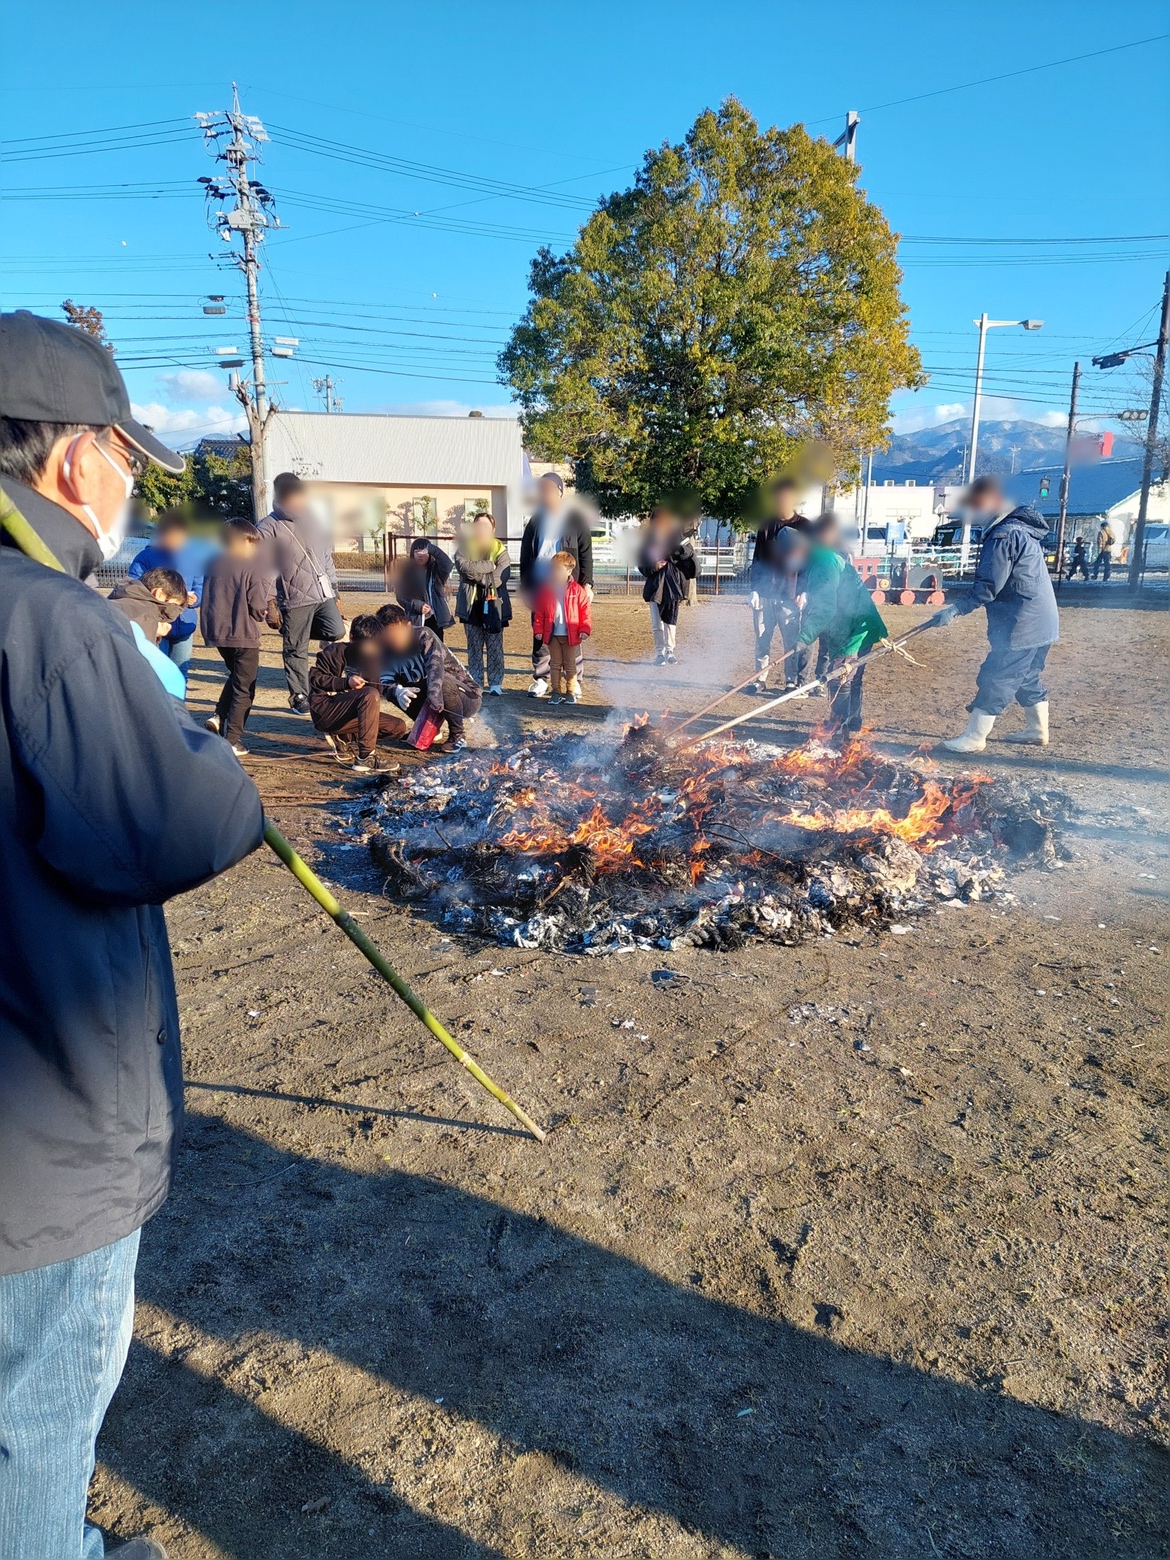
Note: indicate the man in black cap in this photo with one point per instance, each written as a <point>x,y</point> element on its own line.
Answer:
<point>111,801</point>
<point>555,526</point>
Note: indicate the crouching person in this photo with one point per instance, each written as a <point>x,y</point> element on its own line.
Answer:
<point>419,673</point>
<point>345,698</point>
<point>839,611</point>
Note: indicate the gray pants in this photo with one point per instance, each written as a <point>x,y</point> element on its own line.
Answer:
<point>320,620</point>
<point>1008,674</point>
<point>664,633</point>
<point>776,612</point>
<point>480,640</point>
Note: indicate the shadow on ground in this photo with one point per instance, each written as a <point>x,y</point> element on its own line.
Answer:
<point>741,1429</point>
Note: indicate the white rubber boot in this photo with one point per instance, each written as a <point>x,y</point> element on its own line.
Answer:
<point>1035,730</point>
<point>974,739</point>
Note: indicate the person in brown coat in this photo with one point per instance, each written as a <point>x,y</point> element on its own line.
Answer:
<point>345,697</point>
<point>153,602</point>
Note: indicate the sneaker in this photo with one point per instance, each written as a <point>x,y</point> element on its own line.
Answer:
<point>570,698</point>
<point>660,658</point>
<point>212,724</point>
<point>344,752</point>
<point>759,686</point>
<point>138,1549</point>
<point>672,659</point>
<point>555,699</point>
<point>496,690</point>
<point>455,745</point>
<point>299,704</point>
<point>239,750</point>
<point>539,688</point>
<point>815,693</point>
<point>369,764</point>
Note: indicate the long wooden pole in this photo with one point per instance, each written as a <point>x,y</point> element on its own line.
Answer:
<point>33,547</point>
<point>884,647</point>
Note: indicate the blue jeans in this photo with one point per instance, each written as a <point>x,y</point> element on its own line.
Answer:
<point>179,652</point>
<point>64,1334</point>
<point>1010,674</point>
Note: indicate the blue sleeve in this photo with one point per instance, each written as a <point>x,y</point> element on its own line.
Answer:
<point>996,560</point>
<point>139,565</point>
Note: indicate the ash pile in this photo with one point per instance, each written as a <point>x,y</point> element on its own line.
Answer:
<point>590,846</point>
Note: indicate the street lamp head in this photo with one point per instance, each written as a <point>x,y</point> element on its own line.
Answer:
<point>1032,324</point>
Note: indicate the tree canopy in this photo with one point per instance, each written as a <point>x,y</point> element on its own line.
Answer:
<point>209,485</point>
<point>737,304</point>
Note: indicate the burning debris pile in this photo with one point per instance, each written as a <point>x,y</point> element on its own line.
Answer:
<point>578,844</point>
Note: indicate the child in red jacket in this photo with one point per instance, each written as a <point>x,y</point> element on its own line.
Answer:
<point>562,619</point>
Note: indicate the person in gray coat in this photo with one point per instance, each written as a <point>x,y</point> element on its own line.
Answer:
<point>300,559</point>
<point>1013,584</point>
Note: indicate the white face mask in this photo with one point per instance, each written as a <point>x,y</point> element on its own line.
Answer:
<point>110,538</point>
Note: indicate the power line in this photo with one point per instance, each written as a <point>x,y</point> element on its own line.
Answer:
<point>1007,75</point>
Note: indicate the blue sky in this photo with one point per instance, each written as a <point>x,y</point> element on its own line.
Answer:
<point>408,313</point>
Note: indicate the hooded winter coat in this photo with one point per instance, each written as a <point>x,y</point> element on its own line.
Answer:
<point>1013,583</point>
<point>426,586</point>
<point>133,598</point>
<point>112,800</point>
<point>839,611</point>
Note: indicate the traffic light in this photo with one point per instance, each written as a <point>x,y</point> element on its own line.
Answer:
<point>1045,485</point>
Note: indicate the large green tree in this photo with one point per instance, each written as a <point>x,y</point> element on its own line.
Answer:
<point>738,305</point>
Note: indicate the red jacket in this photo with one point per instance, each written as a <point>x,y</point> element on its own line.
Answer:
<point>578,613</point>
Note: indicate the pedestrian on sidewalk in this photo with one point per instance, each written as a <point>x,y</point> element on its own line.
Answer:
<point>483,604</point>
<point>299,558</point>
<point>1080,563</point>
<point>666,561</point>
<point>112,801</point>
<point>235,605</point>
<point>556,526</point>
<point>1106,541</point>
<point>421,588</point>
<point>1023,623</point>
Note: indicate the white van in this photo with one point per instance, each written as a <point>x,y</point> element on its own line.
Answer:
<point>1157,546</point>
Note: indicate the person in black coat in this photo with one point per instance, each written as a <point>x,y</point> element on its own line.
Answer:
<point>112,800</point>
<point>666,561</point>
<point>422,586</point>
<point>555,526</point>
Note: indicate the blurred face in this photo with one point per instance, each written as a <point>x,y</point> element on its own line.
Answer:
<point>990,503</point>
<point>550,495</point>
<point>483,534</point>
<point>398,638</point>
<point>239,546</point>
<point>785,502</point>
<point>420,557</point>
<point>172,537</point>
<point>560,575</point>
<point>295,504</point>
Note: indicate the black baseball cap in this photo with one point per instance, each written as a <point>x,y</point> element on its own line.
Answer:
<point>50,372</point>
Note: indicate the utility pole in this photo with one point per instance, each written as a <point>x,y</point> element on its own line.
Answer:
<point>327,389</point>
<point>848,137</point>
<point>1137,553</point>
<point>1068,444</point>
<point>235,137</point>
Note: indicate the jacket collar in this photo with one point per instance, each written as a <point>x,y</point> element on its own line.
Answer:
<point>65,537</point>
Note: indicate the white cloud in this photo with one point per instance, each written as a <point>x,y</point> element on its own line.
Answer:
<point>191,384</point>
<point>919,417</point>
<point>995,408</point>
<point>193,421</point>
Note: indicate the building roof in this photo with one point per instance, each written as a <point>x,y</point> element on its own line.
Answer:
<point>1093,488</point>
<point>360,447</point>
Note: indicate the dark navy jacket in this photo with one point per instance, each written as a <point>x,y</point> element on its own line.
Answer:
<point>112,800</point>
<point>1013,583</point>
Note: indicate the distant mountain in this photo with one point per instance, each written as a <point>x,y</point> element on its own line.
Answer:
<point>935,456</point>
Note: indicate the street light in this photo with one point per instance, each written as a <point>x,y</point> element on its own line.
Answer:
<point>985,325</point>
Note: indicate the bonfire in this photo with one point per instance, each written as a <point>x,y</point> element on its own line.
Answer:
<point>591,845</point>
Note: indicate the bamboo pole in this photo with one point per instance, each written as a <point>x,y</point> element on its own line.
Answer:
<point>715,703</point>
<point>33,547</point>
<point>884,647</point>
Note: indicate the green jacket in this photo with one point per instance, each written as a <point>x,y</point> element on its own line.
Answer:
<point>839,610</point>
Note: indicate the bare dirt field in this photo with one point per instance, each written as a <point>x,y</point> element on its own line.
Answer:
<point>850,1249</point>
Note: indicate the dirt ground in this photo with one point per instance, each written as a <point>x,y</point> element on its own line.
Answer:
<point>852,1249</point>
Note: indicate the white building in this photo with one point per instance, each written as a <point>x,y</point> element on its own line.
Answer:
<point>886,515</point>
<point>404,475</point>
